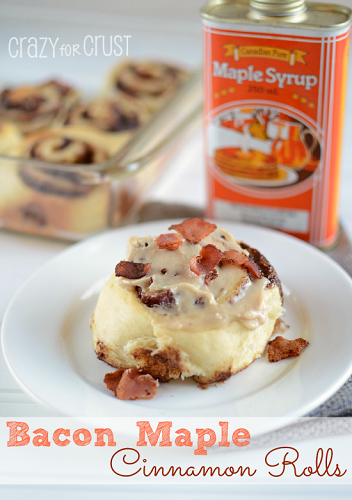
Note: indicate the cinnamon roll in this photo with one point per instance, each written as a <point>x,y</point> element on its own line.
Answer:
<point>42,199</point>
<point>117,116</point>
<point>65,145</point>
<point>32,108</point>
<point>151,81</point>
<point>10,137</point>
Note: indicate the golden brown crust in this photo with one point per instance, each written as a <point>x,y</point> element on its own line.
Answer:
<point>101,350</point>
<point>219,376</point>
<point>162,365</point>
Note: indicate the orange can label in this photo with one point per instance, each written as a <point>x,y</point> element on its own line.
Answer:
<point>274,110</point>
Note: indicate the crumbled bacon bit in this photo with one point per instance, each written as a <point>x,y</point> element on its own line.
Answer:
<point>163,298</point>
<point>131,270</point>
<point>194,230</point>
<point>210,277</point>
<point>112,380</point>
<point>281,348</point>
<point>237,258</point>
<point>207,259</point>
<point>234,257</point>
<point>131,384</point>
<point>169,241</point>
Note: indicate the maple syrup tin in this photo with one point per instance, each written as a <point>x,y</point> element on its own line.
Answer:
<point>275,77</point>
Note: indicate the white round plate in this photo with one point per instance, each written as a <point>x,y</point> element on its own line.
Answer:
<point>48,343</point>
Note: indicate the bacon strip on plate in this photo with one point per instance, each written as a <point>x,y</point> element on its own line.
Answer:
<point>169,241</point>
<point>281,348</point>
<point>131,270</point>
<point>112,380</point>
<point>194,230</point>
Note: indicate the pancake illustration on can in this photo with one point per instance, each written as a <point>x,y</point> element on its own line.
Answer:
<point>263,147</point>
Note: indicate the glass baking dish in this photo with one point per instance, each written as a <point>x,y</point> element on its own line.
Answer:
<point>74,201</point>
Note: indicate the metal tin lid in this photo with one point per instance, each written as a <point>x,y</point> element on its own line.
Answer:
<point>316,16</point>
<point>277,7</point>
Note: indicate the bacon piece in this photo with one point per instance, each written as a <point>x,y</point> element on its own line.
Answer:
<point>237,258</point>
<point>281,348</point>
<point>194,230</point>
<point>163,298</point>
<point>134,385</point>
<point>112,380</point>
<point>170,241</point>
<point>207,259</point>
<point>210,277</point>
<point>130,384</point>
<point>131,270</point>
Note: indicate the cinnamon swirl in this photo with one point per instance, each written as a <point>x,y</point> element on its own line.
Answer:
<point>117,116</point>
<point>151,81</point>
<point>65,145</point>
<point>34,107</point>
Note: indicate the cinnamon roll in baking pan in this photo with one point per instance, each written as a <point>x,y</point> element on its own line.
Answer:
<point>49,132</point>
<point>34,107</point>
<point>150,81</point>
<point>66,145</point>
<point>49,201</point>
<point>118,116</point>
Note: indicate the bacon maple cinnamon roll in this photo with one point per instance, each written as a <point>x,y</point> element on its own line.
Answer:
<point>34,107</point>
<point>151,81</point>
<point>191,302</point>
